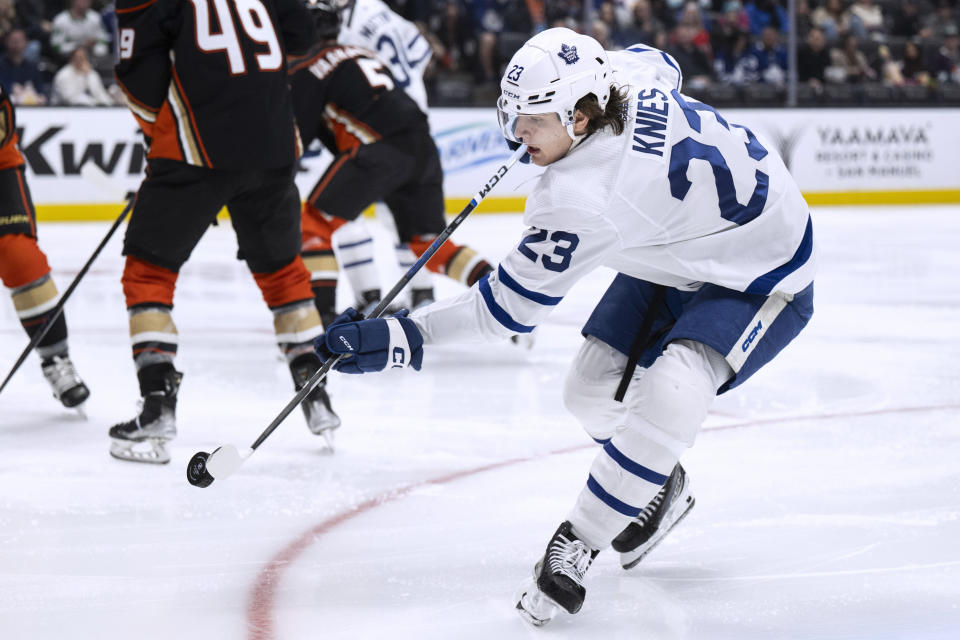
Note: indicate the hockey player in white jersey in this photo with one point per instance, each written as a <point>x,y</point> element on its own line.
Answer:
<point>714,247</point>
<point>400,46</point>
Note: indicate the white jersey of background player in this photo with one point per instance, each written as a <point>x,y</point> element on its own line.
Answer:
<point>713,243</point>
<point>398,43</point>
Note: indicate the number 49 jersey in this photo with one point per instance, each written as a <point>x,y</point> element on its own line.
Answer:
<point>682,197</point>
<point>207,79</point>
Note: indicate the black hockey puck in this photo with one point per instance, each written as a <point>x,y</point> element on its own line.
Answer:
<point>197,473</point>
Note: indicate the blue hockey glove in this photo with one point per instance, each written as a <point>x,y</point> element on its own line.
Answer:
<point>371,345</point>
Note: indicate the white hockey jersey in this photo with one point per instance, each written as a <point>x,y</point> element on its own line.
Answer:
<point>682,197</point>
<point>398,43</point>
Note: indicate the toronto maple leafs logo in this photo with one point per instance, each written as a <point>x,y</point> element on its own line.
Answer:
<point>568,53</point>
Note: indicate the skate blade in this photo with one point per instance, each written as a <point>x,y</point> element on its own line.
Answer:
<point>630,559</point>
<point>533,606</point>
<point>328,441</point>
<point>151,450</point>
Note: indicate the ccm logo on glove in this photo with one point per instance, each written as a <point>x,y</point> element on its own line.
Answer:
<point>371,345</point>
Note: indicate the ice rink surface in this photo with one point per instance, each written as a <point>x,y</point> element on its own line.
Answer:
<point>828,486</point>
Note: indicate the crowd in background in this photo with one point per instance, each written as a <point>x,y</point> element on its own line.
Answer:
<point>62,51</point>
<point>718,43</point>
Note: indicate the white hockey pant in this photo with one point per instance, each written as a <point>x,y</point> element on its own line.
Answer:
<point>661,414</point>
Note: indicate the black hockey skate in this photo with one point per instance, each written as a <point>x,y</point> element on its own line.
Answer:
<point>321,420</point>
<point>420,298</point>
<point>144,438</point>
<point>557,578</point>
<point>665,511</point>
<point>67,386</point>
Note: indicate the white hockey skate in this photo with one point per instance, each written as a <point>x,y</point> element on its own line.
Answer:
<point>66,385</point>
<point>557,579</point>
<point>665,511</point>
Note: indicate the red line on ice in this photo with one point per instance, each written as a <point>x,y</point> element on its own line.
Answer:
<point>260,610</point>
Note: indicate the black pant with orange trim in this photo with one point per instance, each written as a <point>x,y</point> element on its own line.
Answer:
<point>16,207</point>
<point>404,172</point>
<point>177,202</point>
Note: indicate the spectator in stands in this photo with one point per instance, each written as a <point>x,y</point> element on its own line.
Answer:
<point>600,31</point>
<point>913,68</point>
<point>832,19</point>
<point>617,36</point>
<point>78,84</point>
<point>887,68</point>
<point>664,13</point>
<point>803,20</point>
<point>866,18</point>
<point>693,60</point>
<point>906,20</point>
<point>945,61</point>
<point>766,13</point>
<point>813,58</point>
<point>79,26</point>
<point>644,25</point>
<point>492,17</point>
<point>729,39</point>
<point>34,18</point>
<point>937,23</point>
<point>455,43</point>
<point>21,77</point>
<point>851,63</point>
<point>692,17</point>
<point>8,16</point>
<point>766,61</point>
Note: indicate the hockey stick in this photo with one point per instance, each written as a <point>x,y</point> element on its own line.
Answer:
<point>204,467</point>
<point>58,309</point>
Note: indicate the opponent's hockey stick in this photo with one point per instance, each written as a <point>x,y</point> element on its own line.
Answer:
<point>204,467</point>
<point>95,175</point>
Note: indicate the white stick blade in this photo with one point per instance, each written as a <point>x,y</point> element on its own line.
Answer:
<point>224,461</point>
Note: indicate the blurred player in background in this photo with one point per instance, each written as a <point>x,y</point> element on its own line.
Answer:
<point>24,269</point>
<point>404,51</point>
<point>383,151</point>
<point>208,85</point>
<point>713,243</point>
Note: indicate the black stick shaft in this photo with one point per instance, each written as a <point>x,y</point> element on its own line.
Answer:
<point>387,299</point>
<point>57,310</point>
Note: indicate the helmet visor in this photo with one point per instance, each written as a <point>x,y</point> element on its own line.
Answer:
<point>513,124</point>
<point>508,121</point>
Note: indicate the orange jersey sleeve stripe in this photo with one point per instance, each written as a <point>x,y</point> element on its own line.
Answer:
<point>193,120</point>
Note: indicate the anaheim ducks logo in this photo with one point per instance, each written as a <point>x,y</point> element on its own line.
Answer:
<point>568,53</point>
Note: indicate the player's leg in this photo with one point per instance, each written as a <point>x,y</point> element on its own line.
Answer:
<point>353,181</point>
<point>749,330</point>
<point>24,270</point>
<point>265,215</point>
<point>317,229</point>
<point>627,473</point>
<point>418,209</point>
<point>173,208</point>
